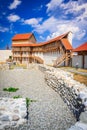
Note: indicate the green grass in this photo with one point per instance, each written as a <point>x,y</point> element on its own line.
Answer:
<point>15,97</point>
<point>28,101</point>
<point>10,89</point>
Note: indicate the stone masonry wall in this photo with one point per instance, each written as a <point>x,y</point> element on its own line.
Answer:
<point>69,90</point>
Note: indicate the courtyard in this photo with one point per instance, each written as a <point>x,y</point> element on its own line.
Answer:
<point>48,112</point>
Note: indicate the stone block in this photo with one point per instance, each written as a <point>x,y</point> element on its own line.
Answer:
<point>83,117</point>
<point>82,125</point>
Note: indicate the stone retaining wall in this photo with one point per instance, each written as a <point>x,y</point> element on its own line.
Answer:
<point>69,90</point>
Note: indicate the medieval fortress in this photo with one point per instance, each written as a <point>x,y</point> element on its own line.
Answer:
<point>55,52</point>
<point>59,105</point>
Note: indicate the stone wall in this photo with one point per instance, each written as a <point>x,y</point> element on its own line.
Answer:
<point>69,90</point>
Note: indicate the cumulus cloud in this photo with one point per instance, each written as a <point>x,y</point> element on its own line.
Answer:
<point>14,4</point>
<point>57,27</point>
<point>81,34</point>
<point>3,29</point>
<point>13,17</point>
<point>53,4</point>
<point>71,17</point>
<point>77,32</point>
<point>52,35</point>
<point>47,25</point>
<point>32,21</point>
<point>74,7</point>
<point>62,28</point>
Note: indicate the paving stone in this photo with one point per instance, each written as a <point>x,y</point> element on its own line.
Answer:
<point>10,116</point>
<point>5,118</point>
<point>82,125</point>
<point>15,118</point>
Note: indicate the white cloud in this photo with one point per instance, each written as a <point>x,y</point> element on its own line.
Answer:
<point>62,28</point>
<point>53,4</point>
<point>74,7</point>
<point>71,17</point>
<point>68,27</point>
<point>47,25</point>
<point>52,35</point>
<point>81,34</point>
<point>32,21</point>
<point>57,27</point>
<point>41,37</point>
<point>3,29</point>
<point>14,4</point>
<point>13,17</point>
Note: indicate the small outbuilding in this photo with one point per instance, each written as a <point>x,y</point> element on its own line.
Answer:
<point>81,57</point>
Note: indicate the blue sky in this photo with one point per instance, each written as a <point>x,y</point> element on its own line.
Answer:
<point>45,18</point>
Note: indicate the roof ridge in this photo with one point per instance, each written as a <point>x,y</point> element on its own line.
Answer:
<point>55,38</point>
<point>22,36</point>
<point>82,47</point>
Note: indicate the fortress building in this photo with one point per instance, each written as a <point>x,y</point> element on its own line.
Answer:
<point>54,52</point>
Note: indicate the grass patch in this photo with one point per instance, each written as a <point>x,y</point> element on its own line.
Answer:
<point>24,66</point>
<point>73,68</point>
<point>82,70</point>
<point>80,78</point>
<point>10,89</point>
<point>28,101</point>
<point>15,97</point>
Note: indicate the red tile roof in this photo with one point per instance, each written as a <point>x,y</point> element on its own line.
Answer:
<point>55,39</point>
<point>82,47</point>
<point>22,36</point>
<point>66,44</point>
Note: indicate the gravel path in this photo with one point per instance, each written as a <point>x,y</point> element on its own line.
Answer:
<point>49,112</point>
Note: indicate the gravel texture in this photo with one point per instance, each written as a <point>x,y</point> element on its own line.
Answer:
<point>48,112</point>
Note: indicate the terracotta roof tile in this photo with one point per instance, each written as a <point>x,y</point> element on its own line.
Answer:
<point>82,47</point>
<point>55,39</point>
<point>22,36</point>
<point>66,44</point>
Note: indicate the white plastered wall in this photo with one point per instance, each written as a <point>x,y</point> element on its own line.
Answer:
<point>70,37</point>
<point>48,57</point>
<point>85,63</point>
<point>77,59</point>
<point>4,55</point>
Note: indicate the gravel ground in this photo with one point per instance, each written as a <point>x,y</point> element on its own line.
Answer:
<point>49,112</point>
